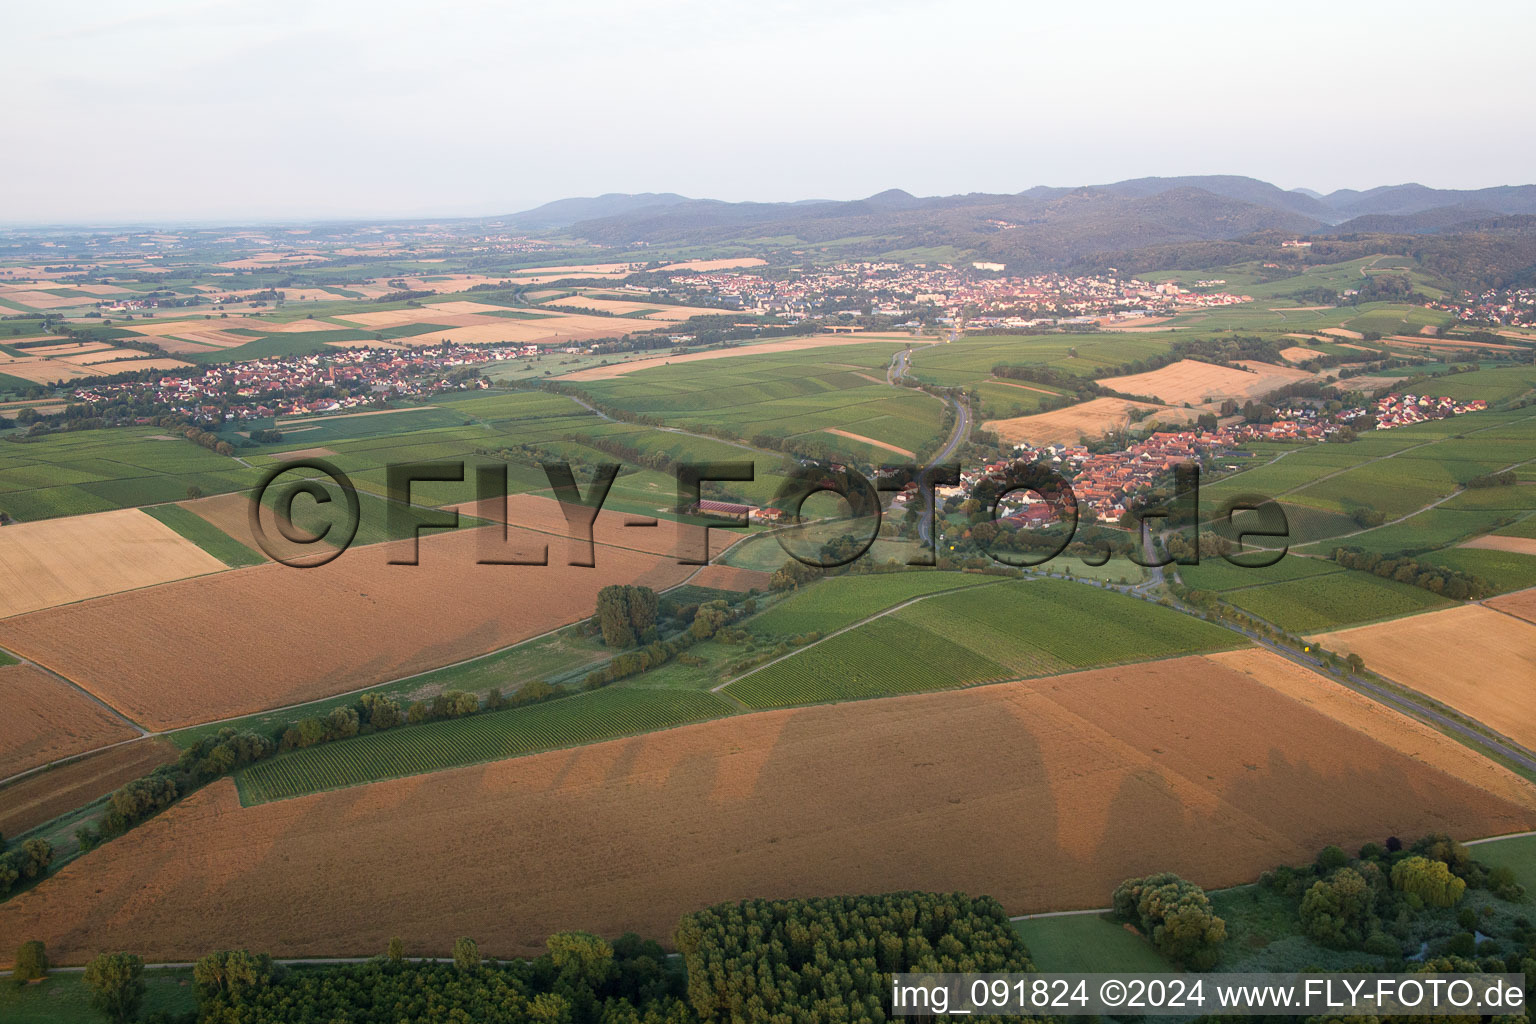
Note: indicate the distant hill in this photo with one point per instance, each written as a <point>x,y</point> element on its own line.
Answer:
<point>564,212</point>
<point>1196,220</point>
<point>1404,200</point>
<point>1037,229</point>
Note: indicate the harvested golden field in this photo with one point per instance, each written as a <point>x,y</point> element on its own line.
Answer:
<point>75,349</point>
<point>217,339</point>
<point>530,512</point>
<point>869,441</point>
<point>1297,354</point>
<point>102,355</point>
<point>1339,332</point>
<point>251,639</point>
<point>465,306</point>
<point>185,325</point>
<point>707,265</point>
<point>1183,765</point>
<point>1085,420</point>
<point>1518,545</point>
<point>26,296</point>
<point>1452,343</point>
<point>1521,604</point>
<point>762,348</point>
<point>43,371</point>
<point>57,561</point>
<point>1192,381</point>
<point>1479,661</point>
<point>298,326</point>
<point>621,307</point>
<point>45,719</point>
<point>35,799</point>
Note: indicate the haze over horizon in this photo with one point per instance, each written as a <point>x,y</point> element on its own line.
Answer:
<point>232,112</point>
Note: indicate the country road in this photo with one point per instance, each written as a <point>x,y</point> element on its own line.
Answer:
<point>961,430</point>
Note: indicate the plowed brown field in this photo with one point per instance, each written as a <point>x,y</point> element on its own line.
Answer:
<point>618,529</point>
<point>728,577</point>
<point>1521,604</point>
<point>271,635</point>
<point>43,719</point>
<point>1061,787</point>
<point>46,795</point>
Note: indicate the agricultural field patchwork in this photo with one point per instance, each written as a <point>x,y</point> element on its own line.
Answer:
<point>1010,631</point>
<point>742,805</point>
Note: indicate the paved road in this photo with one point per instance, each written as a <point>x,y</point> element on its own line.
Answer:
<point>961,430</point>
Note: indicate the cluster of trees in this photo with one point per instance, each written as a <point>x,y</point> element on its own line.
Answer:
<point>1175,915</point>
<point>830,959</point>
<point>199,764</point>
<point>266,436</point>
<point>1385,900</point>
<point>579,979</point>
<point>1453,583</point>
<point>25,863</point>
<point>213,442</point>
<point>625,615</point>
<point>707,620</point>
<point>1505,479</point>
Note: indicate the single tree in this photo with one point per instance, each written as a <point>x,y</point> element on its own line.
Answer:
<point>116,981</point>
<point>31,961</point>
<point>466,955</point>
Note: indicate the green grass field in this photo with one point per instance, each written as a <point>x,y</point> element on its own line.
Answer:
<point>1517,853</point>
<point>205,535</point>
<point>62,998</point>
<point>1010,631</point>
<point>1087,943</point>
<point>834,603</point>
<point>414,750</point>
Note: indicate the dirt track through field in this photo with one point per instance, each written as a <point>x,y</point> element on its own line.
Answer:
<point>1062,787</point>
<point>869,441</point>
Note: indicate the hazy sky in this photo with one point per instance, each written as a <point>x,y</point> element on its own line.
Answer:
<point>223,109</point>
